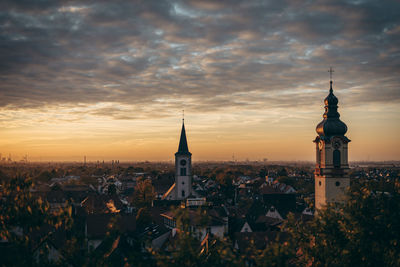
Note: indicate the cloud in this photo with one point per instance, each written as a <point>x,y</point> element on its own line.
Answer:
<point>203,55</point>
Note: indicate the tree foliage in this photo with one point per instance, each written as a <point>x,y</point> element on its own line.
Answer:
<point>188,250</point>
<point>144,193</point>
<point>21,215</point>
<point>143,218</point>
<point>362,231</point>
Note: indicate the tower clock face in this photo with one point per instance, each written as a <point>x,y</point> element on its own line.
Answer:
<point>336,144</point>
<point>183,162</point>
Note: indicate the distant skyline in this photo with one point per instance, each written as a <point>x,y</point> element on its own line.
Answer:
<point>109,79</point>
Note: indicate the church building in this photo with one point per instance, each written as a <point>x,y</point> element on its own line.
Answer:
<point>182,188</point>
<point>332,167</point>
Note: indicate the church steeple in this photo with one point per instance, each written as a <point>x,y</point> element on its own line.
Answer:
<point>182,188</point>
<point>332,167</point>
<point>183,146</point>
<point>183,167</point>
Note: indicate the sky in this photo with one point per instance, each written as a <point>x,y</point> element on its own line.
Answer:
<point>109,79</point>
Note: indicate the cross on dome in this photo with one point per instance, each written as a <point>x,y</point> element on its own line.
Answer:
<point>331,71</point>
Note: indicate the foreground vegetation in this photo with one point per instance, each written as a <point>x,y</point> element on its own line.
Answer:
<point>363,231</point>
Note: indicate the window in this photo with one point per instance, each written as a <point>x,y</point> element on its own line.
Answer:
<point>183,193</point>
<point>336,158</point>
<point>319,183</point>
<point>319,156</point>
<point>337,183</point>
<point>183,171</point>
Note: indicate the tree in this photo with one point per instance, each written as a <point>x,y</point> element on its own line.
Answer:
<point>21,215</point>
<point>276,255</point>
<point>282,172</point>
<point>143,217</point>
<point>187,247</point>
<point>44,176</point>
<point>112,190</point>
<point>362,231</point>
<point>188,250</point>
<point>144,194</point>
<point>225,179</point>
<point>287,180</point>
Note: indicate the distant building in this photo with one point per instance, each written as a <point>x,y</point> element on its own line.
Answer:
<point>217,223</point>
<point>332,168</point>
<point>182,188</point>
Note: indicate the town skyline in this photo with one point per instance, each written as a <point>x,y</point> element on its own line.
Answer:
<point>109,80</point>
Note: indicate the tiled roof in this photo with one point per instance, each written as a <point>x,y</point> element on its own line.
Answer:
<point>99,224</point>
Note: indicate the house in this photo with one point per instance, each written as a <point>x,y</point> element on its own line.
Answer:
<point>57,198</point>
<point>97,226</point>
<point>273,213</point>
<point>200,224</point>
<point>47,239</point>
<point>162,185</point>
<point>152,236</point>
<point>98,204</point>
<point>127,182</point>
<point>265,223</point>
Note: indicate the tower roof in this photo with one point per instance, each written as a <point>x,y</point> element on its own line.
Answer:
<point>331,125</point>
<point>183,146</point>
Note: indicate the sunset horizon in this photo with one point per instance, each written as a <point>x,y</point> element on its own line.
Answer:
<point>110,80</point>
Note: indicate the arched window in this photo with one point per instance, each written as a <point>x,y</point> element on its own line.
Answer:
<point>183,193</point>
<point>336,158</point>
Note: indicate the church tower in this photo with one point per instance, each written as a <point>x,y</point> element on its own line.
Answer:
<point>183,168</point>
<point>332,167</point>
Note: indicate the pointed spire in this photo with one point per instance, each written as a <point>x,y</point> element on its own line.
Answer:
<point>183,146</point>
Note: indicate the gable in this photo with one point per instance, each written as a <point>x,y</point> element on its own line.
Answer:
<point>246,228</point>
<point>273,213</point>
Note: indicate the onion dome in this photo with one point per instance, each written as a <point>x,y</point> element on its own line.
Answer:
<point>331,125</point>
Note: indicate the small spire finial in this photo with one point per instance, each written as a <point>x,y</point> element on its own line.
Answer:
<point>183,115</point>
<point>331,71</point>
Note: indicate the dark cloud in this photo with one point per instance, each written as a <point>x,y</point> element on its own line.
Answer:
<point>207,55</point>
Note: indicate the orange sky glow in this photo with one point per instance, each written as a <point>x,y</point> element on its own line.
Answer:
<point>109,79</point>
<point>285,134</point>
